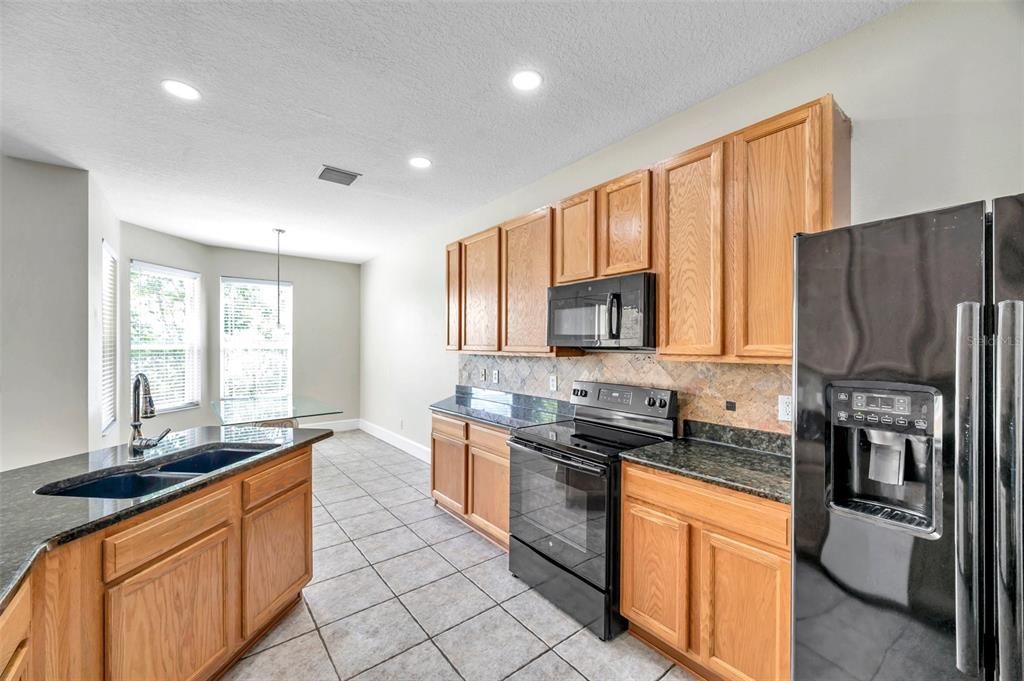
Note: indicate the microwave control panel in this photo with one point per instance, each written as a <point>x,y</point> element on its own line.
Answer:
<point>893,407</point>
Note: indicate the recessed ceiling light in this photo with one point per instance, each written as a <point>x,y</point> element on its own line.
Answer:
<point>181,90</point>
<point>420,162</point>
<point>526,80</point>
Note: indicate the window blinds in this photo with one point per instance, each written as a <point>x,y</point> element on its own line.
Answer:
<point>165,333</point>
<point>256,352</point>
<point>108,340</point>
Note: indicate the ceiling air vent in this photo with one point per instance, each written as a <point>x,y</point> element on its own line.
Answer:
<point>337,175</point>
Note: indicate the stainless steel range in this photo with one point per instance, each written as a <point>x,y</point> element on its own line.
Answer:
<point>564,497</point>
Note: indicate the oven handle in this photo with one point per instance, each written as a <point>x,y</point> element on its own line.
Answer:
<point>568,463</point>
<point>614,315</point>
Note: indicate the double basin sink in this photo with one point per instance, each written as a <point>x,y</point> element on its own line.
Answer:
<point>154,477</point>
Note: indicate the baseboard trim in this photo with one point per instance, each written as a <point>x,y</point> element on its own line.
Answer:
<point>336,426</point>
<point>395,440</point>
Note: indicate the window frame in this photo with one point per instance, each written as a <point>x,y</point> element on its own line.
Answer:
<point>223,347</point>
<point>199,343</point>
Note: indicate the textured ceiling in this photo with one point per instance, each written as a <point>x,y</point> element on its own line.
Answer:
<point>362,85</point>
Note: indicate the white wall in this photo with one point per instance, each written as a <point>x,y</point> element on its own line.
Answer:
<point>326,314</point>
<point>44,342</point>
<point>936,94</point>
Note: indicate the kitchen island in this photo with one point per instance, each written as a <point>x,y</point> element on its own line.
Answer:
<point>208,562</point>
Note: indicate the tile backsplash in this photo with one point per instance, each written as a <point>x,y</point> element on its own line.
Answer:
<point>703,387</point>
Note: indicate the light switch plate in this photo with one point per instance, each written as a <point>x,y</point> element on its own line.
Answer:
<point>494,375</point>
<point>552,382</point>
<point>785,407</point>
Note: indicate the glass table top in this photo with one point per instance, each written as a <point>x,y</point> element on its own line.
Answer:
<point>237,410</point>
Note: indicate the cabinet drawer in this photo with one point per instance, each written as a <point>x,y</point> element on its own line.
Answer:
<point>273,481</point>
<point>125,551</point>
<point>494,441</point>
<point>760,519</point>
<point>14,628</point>
<point>447,426</point>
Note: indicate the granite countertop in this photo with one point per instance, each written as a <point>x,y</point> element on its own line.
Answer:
<point>31,523</point>
<point>507,410</point>
<point>754,462</point>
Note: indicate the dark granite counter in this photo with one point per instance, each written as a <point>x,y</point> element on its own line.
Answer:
<point>763,471</point>
<point>31,523</point>
<point>507,410</point>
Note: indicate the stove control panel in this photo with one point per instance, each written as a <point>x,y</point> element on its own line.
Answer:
<point>654,402</point>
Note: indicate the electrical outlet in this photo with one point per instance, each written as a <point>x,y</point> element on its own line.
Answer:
<point>494,375</point>
<point>553,383</point>
<point>785,407</point>
<point>483,374</point>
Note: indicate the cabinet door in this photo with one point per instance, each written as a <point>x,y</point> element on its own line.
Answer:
<point>777,170</point>
<point>525,278</point>
<point>480,301</point>
<point>277,555</point>
<point>624,224</point>
<point>744,610</point>
<point>448,472</point>
<point>655,572</point>
<point>453,301</point>
<point>690,192</point>
<point>177,618</point>
<point>488,492</point>
<point>17,667</point>
<point>575,238</point>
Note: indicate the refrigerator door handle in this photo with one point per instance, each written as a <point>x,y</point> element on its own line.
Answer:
<point>1008,388</point>
<point>966,415</point>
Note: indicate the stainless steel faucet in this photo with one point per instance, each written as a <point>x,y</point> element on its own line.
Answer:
<point>142,408</point>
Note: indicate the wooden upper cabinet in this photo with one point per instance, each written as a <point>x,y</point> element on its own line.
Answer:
<point>575,238</point>
<point>480,291</point>
<point>784,173</point>
<point>690,211</point>
<point>745,607</point>
<point>453,296</point>
<point>624,224</point>
<point>525,278</point>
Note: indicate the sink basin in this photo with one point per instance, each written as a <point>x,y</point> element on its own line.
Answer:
<point>152,476</point>
<point>119,486</point>
<point>212,459</point>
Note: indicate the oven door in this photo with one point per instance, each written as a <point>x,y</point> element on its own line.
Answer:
<point>559,506</point>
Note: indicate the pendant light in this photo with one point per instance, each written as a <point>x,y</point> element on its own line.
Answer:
<point>279,233</point>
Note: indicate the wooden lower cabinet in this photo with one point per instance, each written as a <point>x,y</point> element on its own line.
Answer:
<point>744,602</point>
<point>448,472</point>
<point>278,556</point>
<point>469,474</point>
<point>175,593</point>
<point>488,492</point>
<point>15,635</point>
<point>696,583</point>
<point>655,571</point>
<point>176,619</point>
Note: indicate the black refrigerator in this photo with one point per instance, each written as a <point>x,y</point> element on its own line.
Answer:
<point>907,447</point>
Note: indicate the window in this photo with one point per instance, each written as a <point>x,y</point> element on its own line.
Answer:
<point>255,345</point>
<point>108,341</point>
<point>165,329</point>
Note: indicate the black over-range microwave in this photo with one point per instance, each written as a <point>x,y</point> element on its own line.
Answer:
<point>616,313</point>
